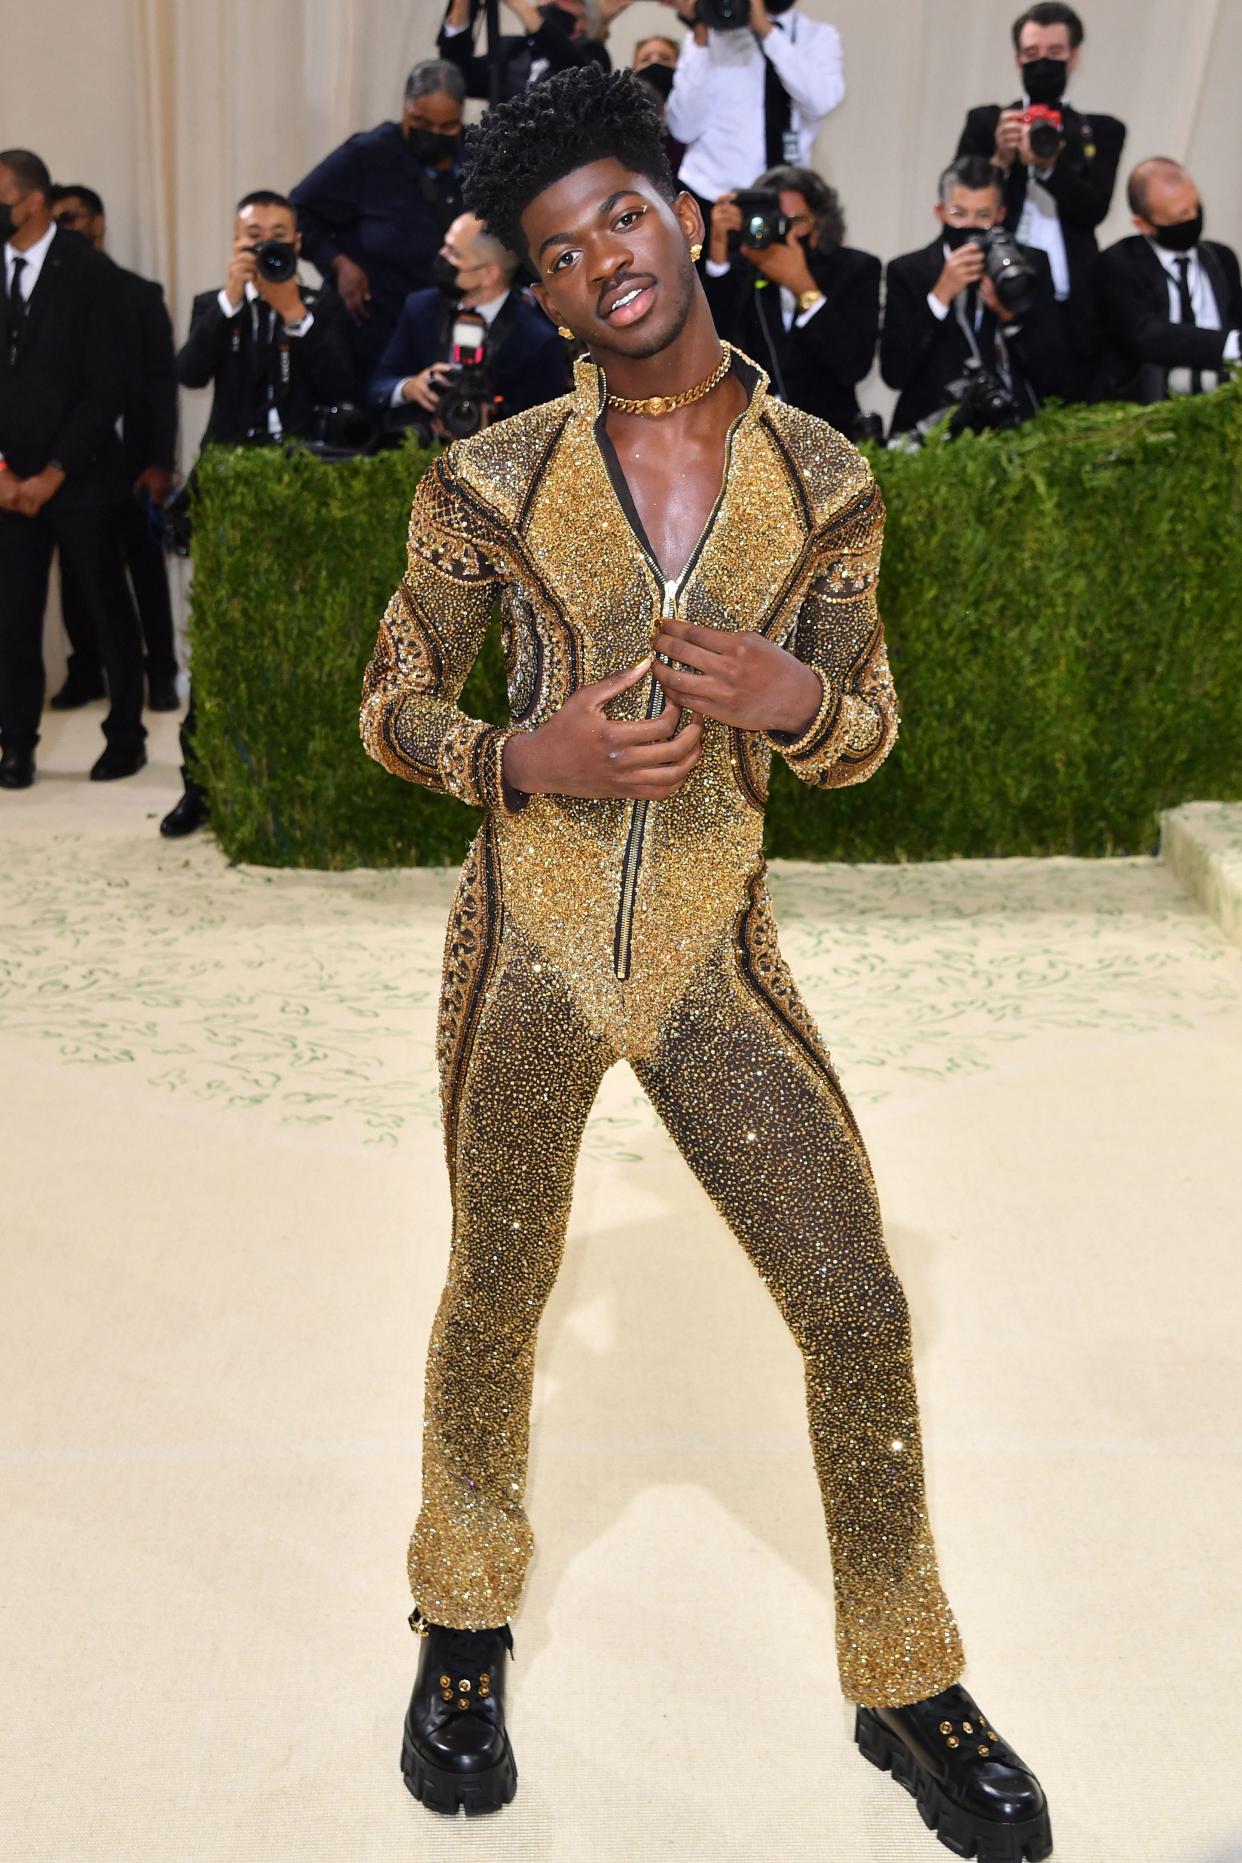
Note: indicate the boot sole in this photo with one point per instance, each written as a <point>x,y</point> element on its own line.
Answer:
<point>962,1832</point>
<point>451,1792</point>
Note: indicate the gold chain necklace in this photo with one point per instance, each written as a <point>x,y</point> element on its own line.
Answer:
<point>664,404</point>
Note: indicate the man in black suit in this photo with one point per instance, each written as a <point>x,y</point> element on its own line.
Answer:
<point>150,439</point>
<point>553,37</point>
<point>62,480</point>
<point>1054,200</point>
<point>807,308</point>
<point>1170,301</point>
<point>942,312</point>
<point>273,350</point>
<point>525,360</point>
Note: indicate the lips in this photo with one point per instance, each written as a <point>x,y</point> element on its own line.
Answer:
<point>632,301</point>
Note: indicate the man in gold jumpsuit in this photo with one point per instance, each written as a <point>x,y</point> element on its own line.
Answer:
<point>673,614</point>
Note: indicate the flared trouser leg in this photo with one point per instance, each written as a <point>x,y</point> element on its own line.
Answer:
<point>749,1095</point>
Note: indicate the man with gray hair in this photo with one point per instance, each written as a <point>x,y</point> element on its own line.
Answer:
<point>374,212</point>
<point>1170,301</point>
<point>524,359</point>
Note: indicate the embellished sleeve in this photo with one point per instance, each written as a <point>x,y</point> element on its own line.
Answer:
<point>840,636</point>
<point>429,638</point>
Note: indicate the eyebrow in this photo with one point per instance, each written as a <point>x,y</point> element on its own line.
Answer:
<point>604,208</point>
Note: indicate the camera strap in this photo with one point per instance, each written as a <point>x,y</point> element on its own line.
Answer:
<point>1004,368</point>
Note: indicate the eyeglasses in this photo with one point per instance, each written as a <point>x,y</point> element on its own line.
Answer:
<point>967,216</point>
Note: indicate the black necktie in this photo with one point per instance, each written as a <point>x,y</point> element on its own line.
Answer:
<point>17,306</point>
<point>1188,313</point>
<point>777,113</point>
<point>972,306</point>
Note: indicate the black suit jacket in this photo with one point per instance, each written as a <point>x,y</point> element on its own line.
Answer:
<point>817,367</point>
<point>151,375</point>
<point>526,360</point>
<point>1081,184</point>
<point>61,398</point>
<point>518,52</point>
<point>921,354</point>
<point>308,371</point>
<point>1132,298</point>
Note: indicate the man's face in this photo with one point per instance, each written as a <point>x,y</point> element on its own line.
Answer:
<point>13,195</point>
<point>72,213</point>
<point>255,224</point>
<point>437,112</point>
<point>461,250</point>
<point>970,207</point>
<point>1170,200</point>
<point>1045,42</point>
<point>795,209</point>
<point>603,234</point>
<point>654,52</point>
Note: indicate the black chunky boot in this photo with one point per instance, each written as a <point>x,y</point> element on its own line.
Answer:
<point>970,1787</point>
<point>456,1751</point>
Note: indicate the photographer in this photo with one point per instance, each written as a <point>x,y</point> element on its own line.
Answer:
<point>524,360</point>
<point>270,346</point>
<point>815,333</point>
<point>944,316</point>
<point>273,349</point>
<point>1170,301</point>
<point>150,440</point>
<point>750,97</point>
<point>1060,168</point>
<point>374,211</point>
<point>555,35</point>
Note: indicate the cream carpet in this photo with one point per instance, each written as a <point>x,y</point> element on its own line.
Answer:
<point>226,1226</point>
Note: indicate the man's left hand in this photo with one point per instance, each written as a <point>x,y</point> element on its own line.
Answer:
<point>785,263</point>
<point>987,291</point>
<point>156,482</point>
<point>34,493</point>
<point>737,678</point>
<point>285,298</point>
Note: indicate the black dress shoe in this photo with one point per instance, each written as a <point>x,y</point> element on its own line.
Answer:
<point>114,763</point>
<point>970,1786</point>
<point>456,1751</point>
<point>162,693</point>
<point>187,815</point>
<point>77,692</point>
<point>17,769</point>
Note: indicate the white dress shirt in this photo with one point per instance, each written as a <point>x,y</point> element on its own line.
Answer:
<point>1207,314</point>
<point>34,257</point>
<point>716,104</point>
<point>1040,224</point>
<point>289,329</point>
<point>487,312</point>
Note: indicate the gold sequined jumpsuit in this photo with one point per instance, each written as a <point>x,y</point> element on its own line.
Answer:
<point>584,931</point>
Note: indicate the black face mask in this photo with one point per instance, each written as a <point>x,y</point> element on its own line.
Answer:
<point>659,77</point>
<point>1045,79</point>
<point>429,146</point>
<point>780,6</point>
<point>955,236</point>
<point>444,276</point>
<point>1184,236</point>
<point>8,225</point>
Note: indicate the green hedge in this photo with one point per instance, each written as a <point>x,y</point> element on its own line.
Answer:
<point>1063,605</point>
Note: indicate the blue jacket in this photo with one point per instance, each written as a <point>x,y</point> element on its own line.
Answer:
<point>526,358</point>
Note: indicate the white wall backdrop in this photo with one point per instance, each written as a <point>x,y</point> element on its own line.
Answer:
<point>172,107</point>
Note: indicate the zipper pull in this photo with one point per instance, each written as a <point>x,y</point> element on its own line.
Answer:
<point>669,609</point>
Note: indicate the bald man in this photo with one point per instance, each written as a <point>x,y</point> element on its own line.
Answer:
<point>1170,301</point>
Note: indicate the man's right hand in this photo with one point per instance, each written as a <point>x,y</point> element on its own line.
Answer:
<point>962,267</point>
<point>1009,131</point>
<point>242,271</point>
<point>354,287</point>
<point>726,219</point>
<point>9,490</point>
<point>580,751</point>
<point>422,387</point>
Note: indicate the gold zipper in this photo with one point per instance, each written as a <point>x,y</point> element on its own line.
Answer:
<point>655,705</point>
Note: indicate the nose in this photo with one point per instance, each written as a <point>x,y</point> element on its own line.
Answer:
<point>612,257</point>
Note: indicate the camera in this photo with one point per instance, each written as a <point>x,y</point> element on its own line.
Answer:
<point>277,260</point>
<point>341,431</point>
<point>763,223</point>
<point>978,402</point>
<point>1012,273</point>
<point>464,397</point>
<point>722,15</point>
<point>1045,131</point>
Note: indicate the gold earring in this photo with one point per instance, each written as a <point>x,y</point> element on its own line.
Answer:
<point>696,252</point>
<point>563,329</point>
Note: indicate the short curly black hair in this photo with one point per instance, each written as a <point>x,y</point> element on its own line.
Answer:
<point>581,115</point>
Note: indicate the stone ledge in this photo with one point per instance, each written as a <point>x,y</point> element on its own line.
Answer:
<point>1202,843</point>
